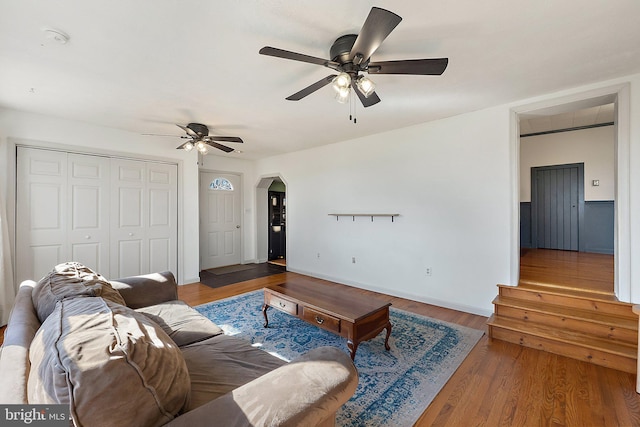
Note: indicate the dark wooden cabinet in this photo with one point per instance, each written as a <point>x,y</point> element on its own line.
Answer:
<point>277,225</point>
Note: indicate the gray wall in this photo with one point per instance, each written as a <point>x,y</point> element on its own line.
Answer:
<point>598,226</point>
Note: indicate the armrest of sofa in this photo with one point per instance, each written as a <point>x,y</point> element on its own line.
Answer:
<point>14,359</point>
<point>306,392</point>
<point>147,289</point>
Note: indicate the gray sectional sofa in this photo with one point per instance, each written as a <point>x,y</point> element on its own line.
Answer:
<point>129,353</point>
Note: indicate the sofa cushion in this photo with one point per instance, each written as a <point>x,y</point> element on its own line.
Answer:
<point>183,324</point>
<point>70,279</point>
<point>224,363</point>
<point>113,366</point>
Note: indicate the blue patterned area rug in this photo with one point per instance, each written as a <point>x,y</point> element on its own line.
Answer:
<point>395,387</point>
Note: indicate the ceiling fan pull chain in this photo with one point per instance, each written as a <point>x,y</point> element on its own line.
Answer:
<point>350,108</point>
<point>355,105</point>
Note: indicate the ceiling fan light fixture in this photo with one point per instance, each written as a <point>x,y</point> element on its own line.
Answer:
<point>366,86</point>
<point>198,137</point>
<point>342,96</point>
<point>341,82</point>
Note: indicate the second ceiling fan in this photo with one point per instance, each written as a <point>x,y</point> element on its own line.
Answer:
<point>351,55</point>
<point>199,138</point>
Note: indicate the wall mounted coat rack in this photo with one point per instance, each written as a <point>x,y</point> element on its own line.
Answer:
<point>353,216</point>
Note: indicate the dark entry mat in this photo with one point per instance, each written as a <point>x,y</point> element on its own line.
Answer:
<point>217,277</point>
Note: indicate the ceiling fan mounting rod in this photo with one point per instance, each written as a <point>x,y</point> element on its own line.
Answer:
<point>198,128</point>
<point>341,48</point>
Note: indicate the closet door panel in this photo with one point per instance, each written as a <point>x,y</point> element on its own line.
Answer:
<point>162,231</point>
<point>41,191</point>
<point>128,207</point>
<point>130,258</point>
<point>88,207</point>
<point>160,254</point>
<point>89,254</point>
<point>118,217</point>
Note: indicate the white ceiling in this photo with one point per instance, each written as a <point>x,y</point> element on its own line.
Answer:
<point>591,116</point>
<point>144,65</point>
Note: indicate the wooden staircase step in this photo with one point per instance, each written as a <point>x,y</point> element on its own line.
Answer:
<point>585,285</point>
<point>602,325</point>
<point>578,300</point>
<point>536,285</point>
<point>609,353</point>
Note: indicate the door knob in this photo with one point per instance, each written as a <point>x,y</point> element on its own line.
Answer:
<point>87,237</point>
<point>130,234</point>
<point>237,226</point>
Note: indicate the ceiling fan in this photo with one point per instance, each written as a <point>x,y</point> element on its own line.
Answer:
<point>351,55</point>
<point>199,138</point>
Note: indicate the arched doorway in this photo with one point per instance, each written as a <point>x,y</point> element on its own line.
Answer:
<point>271,216</point>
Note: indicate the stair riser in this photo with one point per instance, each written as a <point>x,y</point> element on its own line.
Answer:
<point>617,309</point>
<point>573,351</point>
<point>555,321</point>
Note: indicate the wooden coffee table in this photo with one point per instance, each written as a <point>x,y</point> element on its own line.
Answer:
<point>357,318</point>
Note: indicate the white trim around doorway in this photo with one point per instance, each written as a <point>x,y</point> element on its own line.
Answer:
<point>620,95</point>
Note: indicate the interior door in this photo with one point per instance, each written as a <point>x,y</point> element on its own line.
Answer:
<point>162,232</point>
<point>557,206</point>
<point>41,226</point>
<point>128,206</point>
<point>144,231</point>
<point>88,207</point>
<point>220,220</point>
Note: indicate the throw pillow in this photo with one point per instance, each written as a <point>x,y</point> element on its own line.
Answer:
<point>70,279</point>
<point>182,323</point>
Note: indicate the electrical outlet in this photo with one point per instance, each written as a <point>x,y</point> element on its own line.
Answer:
<point>429,271</point>
<point>353,260</point>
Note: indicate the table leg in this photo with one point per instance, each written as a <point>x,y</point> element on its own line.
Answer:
<point>352,348</point>
<point>264,313</point>
<point>386,340</point>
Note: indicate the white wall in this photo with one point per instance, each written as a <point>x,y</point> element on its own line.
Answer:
<point>448,180</point>
<point>593,147</point>
<point>33,129</point>
<point>452,183</point>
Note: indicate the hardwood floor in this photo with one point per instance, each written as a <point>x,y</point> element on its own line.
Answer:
<point>567,269</point>
<point>498,384</point>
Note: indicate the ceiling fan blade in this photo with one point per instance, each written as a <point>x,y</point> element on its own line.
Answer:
<point>366,101</point>
<point>280,53</point>
<point>189,132</point>
<point>222,138</point>
<point>431,67</point>
<point>375,29</point>
<point>162,134</point>
<point>181,147</point>
<point>311,88</point>
<point>220,146</point>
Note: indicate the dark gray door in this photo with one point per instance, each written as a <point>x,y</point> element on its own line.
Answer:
<point>557,206</point>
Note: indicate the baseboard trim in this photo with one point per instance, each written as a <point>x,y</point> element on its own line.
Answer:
<point>189,281</point>
<point>446,304</point>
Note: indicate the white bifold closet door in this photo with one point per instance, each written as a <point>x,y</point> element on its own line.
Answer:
<point>118,217</point>
<point>143,217</point>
